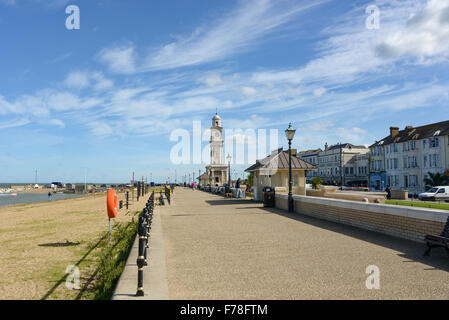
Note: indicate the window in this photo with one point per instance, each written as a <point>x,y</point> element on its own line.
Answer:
<point>424,144</point>
<point>425,162</point>
<point>413,180</point>
<point>434,160</point>
<point>434,142</point>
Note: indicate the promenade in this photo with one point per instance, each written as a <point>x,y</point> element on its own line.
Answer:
<point>217,248</point>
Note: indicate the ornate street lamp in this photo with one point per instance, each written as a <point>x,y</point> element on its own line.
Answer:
<point>229,158</point>
<point>290,134</point>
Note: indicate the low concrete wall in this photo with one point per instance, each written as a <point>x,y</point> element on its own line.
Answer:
<point>399,194</point>
<point>400,221</point>
<point>346,195</point>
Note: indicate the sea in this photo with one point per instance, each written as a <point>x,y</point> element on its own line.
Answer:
<point>8,199</point>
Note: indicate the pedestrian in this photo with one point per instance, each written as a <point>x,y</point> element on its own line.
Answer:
<point>237,187</point>
<point>388,191</point>
<point>49,196</point>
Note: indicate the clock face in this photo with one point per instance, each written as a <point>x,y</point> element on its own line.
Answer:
<point>217,135</point>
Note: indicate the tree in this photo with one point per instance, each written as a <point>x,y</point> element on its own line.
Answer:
<point>436,179</point>
<point>251,179</point>
<point>316,182</point>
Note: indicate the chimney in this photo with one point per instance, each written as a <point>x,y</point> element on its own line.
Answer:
<point>326,146</point>
<point>294,151</point>
<point>394,131</point>
<point>408,128</point>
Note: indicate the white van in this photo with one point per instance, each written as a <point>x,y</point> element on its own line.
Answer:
<point>435,194</point>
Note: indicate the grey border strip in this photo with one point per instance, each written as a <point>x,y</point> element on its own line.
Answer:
<point>155,277</point>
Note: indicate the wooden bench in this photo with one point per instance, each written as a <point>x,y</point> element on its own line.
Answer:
<point>438,241</point>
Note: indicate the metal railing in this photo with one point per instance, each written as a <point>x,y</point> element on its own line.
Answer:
<point>143,230</point>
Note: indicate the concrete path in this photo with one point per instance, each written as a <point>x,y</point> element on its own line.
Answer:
<point>217,248</point>
<point>155,280</point>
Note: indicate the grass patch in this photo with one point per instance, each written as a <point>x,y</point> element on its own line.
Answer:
<point>441,206</point>
<point>113,259</point>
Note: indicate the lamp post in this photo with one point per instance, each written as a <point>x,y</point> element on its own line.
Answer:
<point>290,134</point>
<point>229,158</point>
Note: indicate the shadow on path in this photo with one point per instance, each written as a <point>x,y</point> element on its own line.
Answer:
<point>228,202</point>
<point>413,251</point>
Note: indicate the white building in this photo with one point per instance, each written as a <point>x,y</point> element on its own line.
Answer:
<point>310,156</point>
<point>412,153</point>
<point>346,162</point>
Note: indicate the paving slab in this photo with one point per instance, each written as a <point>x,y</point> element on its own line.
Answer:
<point>218,248</point>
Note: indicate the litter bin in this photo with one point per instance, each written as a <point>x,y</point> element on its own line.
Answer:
<point>268,197</point>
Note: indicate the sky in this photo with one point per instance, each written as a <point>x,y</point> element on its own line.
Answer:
<point>104,100</point>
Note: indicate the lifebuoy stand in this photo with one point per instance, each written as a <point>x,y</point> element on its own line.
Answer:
<point>111,205</point>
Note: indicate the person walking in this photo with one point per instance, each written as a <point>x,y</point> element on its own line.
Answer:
<point>388,191</point>
<point>237,187</point>
<point>49,196</point>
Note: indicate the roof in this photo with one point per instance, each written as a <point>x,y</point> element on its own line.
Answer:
<point>411,133</point>
<point>203,176</point>
<point>216,117</point>
<point>307,152</point>
<point>345,146</point>
<point>279,160</point>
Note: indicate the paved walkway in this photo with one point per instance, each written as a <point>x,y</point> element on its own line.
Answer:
<point>217,248</point>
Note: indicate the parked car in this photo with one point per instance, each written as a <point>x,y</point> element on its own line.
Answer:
<point>440,193</point>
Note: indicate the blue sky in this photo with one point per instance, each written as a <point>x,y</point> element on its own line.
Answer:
<point>105,98</point>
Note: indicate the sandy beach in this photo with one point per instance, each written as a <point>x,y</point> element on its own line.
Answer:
<point>39,240</point>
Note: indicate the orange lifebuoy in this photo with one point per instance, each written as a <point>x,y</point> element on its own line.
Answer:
<point>112,204</point>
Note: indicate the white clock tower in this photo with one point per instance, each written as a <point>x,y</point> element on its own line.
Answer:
<point>217,170</point>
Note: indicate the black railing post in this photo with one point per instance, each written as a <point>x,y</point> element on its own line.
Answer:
<point>127,199</point>
<point>141,256</point>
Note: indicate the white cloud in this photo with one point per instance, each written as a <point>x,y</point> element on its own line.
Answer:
<point>56,122</point>
<point>77,79</point>
<point>84,79</point>
<point>102,83</point>
<point>248,91</point>
<point>426,34</point>
<point>212,80</point>
<point>100,128</point>
<point>119,60</point>
<point>354,135</point>
<point>319,92</point>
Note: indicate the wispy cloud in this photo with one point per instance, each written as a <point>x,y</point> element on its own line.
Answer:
<point>237,32</point>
